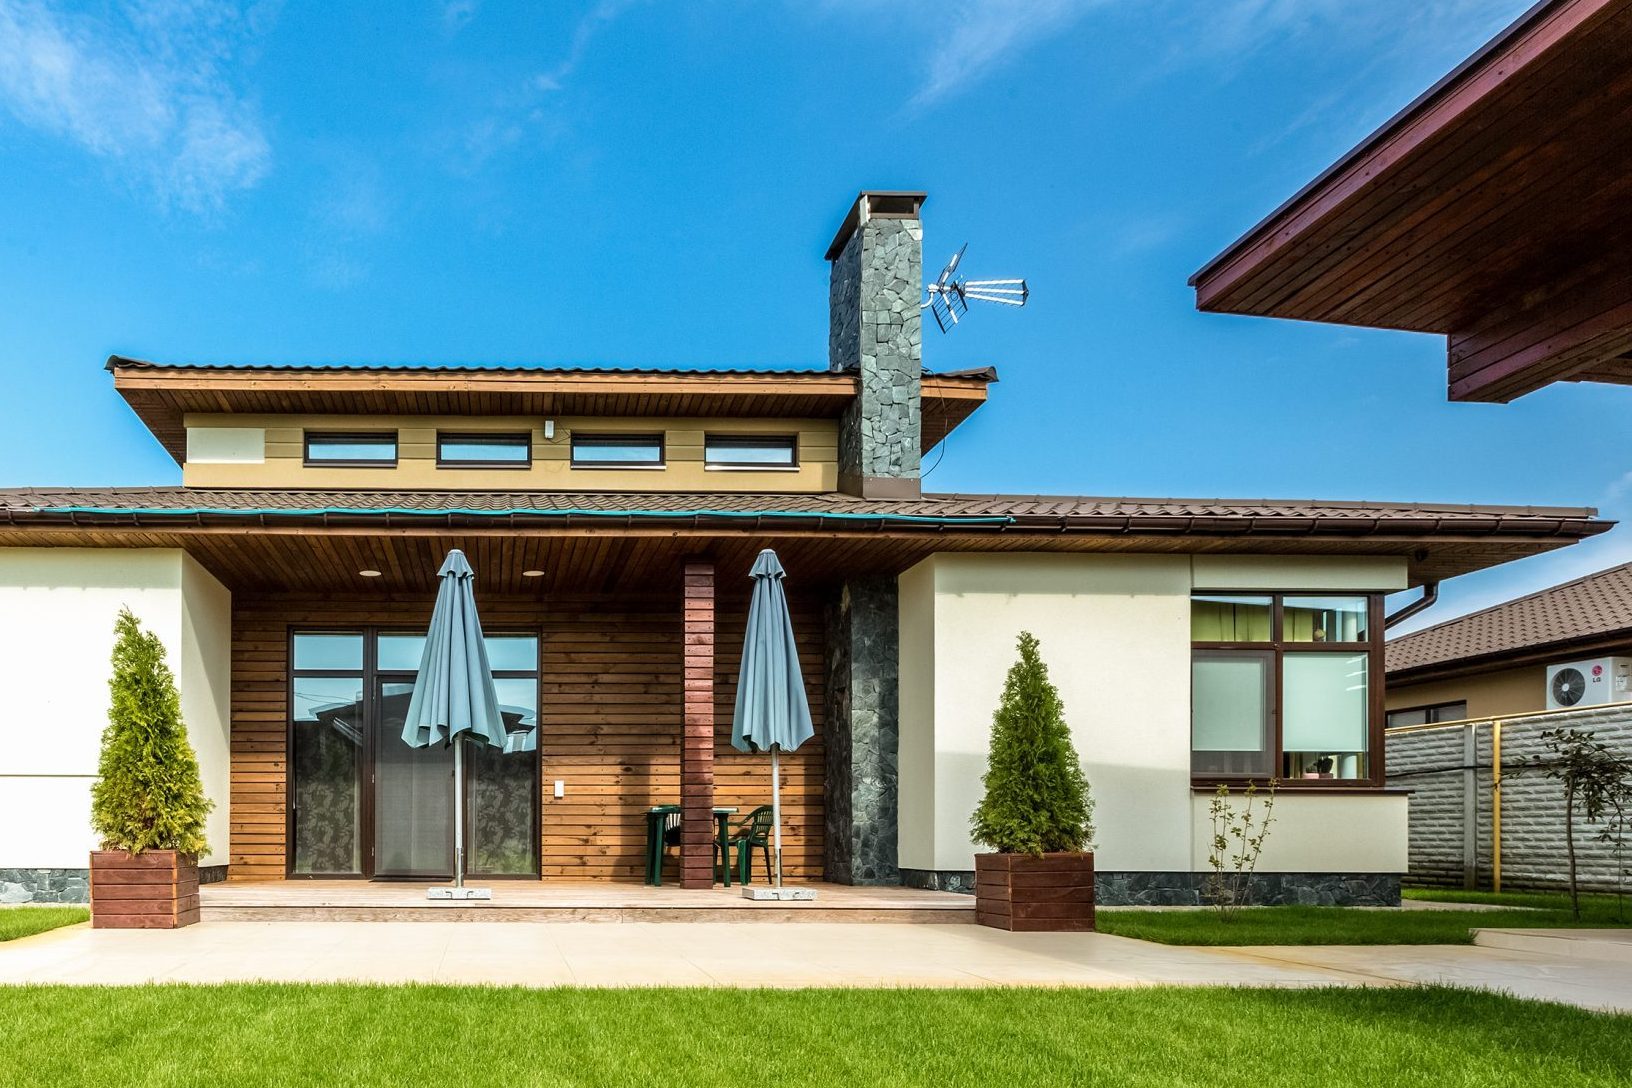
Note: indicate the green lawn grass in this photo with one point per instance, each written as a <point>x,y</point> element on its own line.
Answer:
<point>1330,925</point>
<point>25,921</point>
<point>337,1036</point>
<point>1596,908</point>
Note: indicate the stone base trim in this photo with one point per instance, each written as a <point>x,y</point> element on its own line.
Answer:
<point>212,874</point>
<point>1137,889</point>
<point>45,886</point>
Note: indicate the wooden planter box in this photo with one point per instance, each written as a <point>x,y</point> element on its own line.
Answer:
<point>156,889</point>
<point>1020,892</point>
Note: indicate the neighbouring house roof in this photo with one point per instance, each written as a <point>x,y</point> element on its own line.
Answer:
<point>1595,607</point>
<point>1490,209</point>
<point>162,394</point>
<point>1437,541</point>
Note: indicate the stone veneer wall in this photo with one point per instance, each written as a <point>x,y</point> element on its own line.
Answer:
<point>1449,787</point>
<point>68,885</point>
<point>874,328</point>
<point>862,728</point>
<point>1187,889</point>
<point>44,886</point>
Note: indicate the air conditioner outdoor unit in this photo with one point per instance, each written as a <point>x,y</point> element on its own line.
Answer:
<point>1595,682</point>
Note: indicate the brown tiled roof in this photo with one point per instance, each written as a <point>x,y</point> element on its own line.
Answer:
<point>1232,516</point>
<point>1595,606</point>
<point>121,362</point>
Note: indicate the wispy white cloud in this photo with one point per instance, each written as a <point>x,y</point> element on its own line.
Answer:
<point>457,14</point>
<point>597,19</point>
<point>147,88</point>
<point>520,112</point>
<point>968,41</point>
<point>354,210</point>
<point>979,36</point>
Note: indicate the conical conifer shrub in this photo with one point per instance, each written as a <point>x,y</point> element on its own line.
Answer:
<point>1037,799</point>
<point>148,795</point>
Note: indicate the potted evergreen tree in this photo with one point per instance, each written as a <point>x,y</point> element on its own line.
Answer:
<point>148,804</point>
<point>1037,813</point>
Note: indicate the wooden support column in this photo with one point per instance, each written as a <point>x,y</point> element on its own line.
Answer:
<point>697,741</point>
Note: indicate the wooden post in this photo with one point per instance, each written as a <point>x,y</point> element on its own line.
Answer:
<point>697,741</point>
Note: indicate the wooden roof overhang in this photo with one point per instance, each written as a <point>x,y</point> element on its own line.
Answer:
<point>163,395</point>
<point>1496,209</point>
<point>278,551</point>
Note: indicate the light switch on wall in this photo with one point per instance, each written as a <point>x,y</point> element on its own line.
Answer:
<point>560,789</point>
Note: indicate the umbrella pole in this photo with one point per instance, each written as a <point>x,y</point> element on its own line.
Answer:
<point>459,812</point>
<point>776,810</point>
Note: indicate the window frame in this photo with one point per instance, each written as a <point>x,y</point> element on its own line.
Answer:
<point>484,438</point>
<point>369,676</point>
<point>1427,709</point>
<point>742,439</point>
<point>1279,646</point>
<point>659,438</point>
<point>349,436</point>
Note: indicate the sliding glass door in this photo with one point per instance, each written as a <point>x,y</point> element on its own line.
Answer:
<point>363,803</point>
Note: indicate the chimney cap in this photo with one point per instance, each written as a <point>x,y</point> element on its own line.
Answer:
<point>876,204</point>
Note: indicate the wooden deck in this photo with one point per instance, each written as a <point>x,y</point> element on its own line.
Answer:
<point>569,901</point>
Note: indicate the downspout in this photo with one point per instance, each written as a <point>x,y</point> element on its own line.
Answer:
<point>1430,594</point>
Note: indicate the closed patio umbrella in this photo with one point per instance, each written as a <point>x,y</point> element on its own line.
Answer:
<point>454,697</point>
<point>772,713</point>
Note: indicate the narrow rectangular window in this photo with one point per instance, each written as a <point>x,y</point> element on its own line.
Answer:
<point>617,451</point>
<point>751,451</point>
<point>362,449</point>
<point>1428,715</point>
<point>480,450</point>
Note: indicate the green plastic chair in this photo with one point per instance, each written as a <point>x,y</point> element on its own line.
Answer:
<point>753,831</point>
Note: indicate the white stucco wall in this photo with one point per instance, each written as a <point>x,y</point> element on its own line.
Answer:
<point>1338,833</point>
<point>1115,633</point>
<point>57,610</point>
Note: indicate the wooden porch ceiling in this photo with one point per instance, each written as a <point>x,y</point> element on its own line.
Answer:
<point>619,560</point>
<point>1495,209</point>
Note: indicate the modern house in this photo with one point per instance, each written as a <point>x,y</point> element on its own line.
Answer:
<point>1490,211</point>
<point>612,517</point>
<point>1566,647</point>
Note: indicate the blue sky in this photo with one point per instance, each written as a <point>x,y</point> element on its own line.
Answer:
<point>655,184</point>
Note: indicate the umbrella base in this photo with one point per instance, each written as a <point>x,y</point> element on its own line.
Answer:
<point>778,893</point>
<point>458,893</point>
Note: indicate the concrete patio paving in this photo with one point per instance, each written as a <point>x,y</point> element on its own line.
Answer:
<point>745,954</point>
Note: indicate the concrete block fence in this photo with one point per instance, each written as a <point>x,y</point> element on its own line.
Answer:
<point>1449,769</point>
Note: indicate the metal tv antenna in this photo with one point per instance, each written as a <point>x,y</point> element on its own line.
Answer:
<point>949,296</point>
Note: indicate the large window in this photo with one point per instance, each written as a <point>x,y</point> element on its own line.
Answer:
<point>359,449</point>
<point>617,451</point>
<point>1285,685</point>
<point>1428,715</point>
<point>364,802</point>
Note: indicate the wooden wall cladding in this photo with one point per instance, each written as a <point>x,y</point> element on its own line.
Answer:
<point>611,692</point>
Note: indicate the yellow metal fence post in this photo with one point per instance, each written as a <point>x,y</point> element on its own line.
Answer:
<point>1496,805</point>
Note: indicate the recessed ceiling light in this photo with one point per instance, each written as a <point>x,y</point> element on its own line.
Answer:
<point>532,574</point>
<point>369,573</point>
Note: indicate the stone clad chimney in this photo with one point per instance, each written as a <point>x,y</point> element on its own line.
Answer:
<point>874,332</point>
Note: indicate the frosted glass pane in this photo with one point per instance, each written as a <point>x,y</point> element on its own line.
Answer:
<point>1229,712</point>
<point>1324,703</point>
